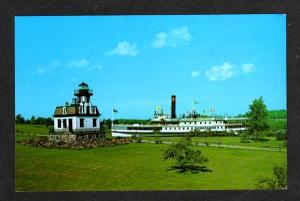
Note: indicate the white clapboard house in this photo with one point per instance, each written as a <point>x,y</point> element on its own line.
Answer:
<point>79,117</point>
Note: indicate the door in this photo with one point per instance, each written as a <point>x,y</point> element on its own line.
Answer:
<point>70,125</point>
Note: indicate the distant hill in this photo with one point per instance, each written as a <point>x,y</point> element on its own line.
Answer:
<point>132,121</point>
<point>272,114</point>
<point>277,114</point>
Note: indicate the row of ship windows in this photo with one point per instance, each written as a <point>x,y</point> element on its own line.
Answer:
<point>189,128</point>
<point>209,122</point>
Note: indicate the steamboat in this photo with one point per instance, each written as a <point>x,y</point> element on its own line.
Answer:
<point>169,124</point>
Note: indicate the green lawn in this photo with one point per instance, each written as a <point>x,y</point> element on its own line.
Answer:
<point>31,129</point>
<point>137,167</point>
<point>268,141</point>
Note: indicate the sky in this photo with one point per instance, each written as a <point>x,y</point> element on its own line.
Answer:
<point>135,63</point>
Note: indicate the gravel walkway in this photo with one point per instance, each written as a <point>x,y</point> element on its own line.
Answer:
<point>227,146</point>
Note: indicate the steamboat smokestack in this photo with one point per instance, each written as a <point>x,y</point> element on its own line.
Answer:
<point>173,106</point>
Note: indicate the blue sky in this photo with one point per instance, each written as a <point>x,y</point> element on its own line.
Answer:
<point>136,63</point>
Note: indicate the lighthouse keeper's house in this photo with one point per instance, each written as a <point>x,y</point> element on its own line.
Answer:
<point>80,118</point>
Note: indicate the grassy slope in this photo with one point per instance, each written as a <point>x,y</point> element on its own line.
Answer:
<point>136,167</point>
<point>31,129</point>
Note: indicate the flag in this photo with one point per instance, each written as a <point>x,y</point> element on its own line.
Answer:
<point>114,110</point>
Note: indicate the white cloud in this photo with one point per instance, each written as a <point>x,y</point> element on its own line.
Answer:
<point>248,68</point>
<point>195,73</point>
<point>173,38</point>
<point>80,63</point>
<point>95,66</point>
<point>84,64</point>
<point>46,68</point>
<point>221,72</point>
<point>123,48</point>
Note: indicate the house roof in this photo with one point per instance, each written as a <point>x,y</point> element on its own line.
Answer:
<point>73,110</point>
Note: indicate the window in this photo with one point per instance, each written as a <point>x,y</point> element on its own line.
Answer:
<point>65,123</point>
<point>88,109</point>
<point>94,122</point>
<point>59,123</point>
<point>81,123</point>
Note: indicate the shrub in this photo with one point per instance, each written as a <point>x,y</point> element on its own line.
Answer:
<point>51,129</point>
<point>138,139</point>
<point>270,133</point>
<point>244,138</point>
<point>278,181</point>
<point>219,142</point>
<point>209,133</point>
<point>284,143</point>
<point>157,140</point>
<point>281,135</point>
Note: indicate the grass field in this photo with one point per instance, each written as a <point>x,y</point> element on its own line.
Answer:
<point>31,129</point>
<point>137,167</point>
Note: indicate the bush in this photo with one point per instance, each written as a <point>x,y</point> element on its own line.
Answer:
<point>138,139</point>
<point>278,181</point>
<point>157,140</point>
<point>219,142</point>
<point>209,133</point>
<point>284,143</point>
<point>51,129</point>
<point>244,138</point>
<point>281,135</point>
<point>270,133</point>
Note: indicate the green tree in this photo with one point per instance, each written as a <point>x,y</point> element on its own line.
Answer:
<point>258,117</point>
<point>184,155</point>
<point>20,119</point>
<point>32,120</point>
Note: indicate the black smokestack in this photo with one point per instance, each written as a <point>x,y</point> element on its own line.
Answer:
<point>173,106</point>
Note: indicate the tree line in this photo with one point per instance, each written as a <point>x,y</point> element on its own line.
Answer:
<point>34,120</point>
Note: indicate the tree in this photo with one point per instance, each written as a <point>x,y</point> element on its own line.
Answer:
<point>32,120</point>
<point>106,123</point>
<point>184,155</point>
<point>258,117</point>
<point>20,119</point>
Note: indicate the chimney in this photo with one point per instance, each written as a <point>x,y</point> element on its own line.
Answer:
<point>173,106</point>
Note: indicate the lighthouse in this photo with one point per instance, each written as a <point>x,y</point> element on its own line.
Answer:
<point>80,117</point>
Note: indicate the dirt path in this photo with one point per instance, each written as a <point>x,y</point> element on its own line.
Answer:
<point>228,146</point>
